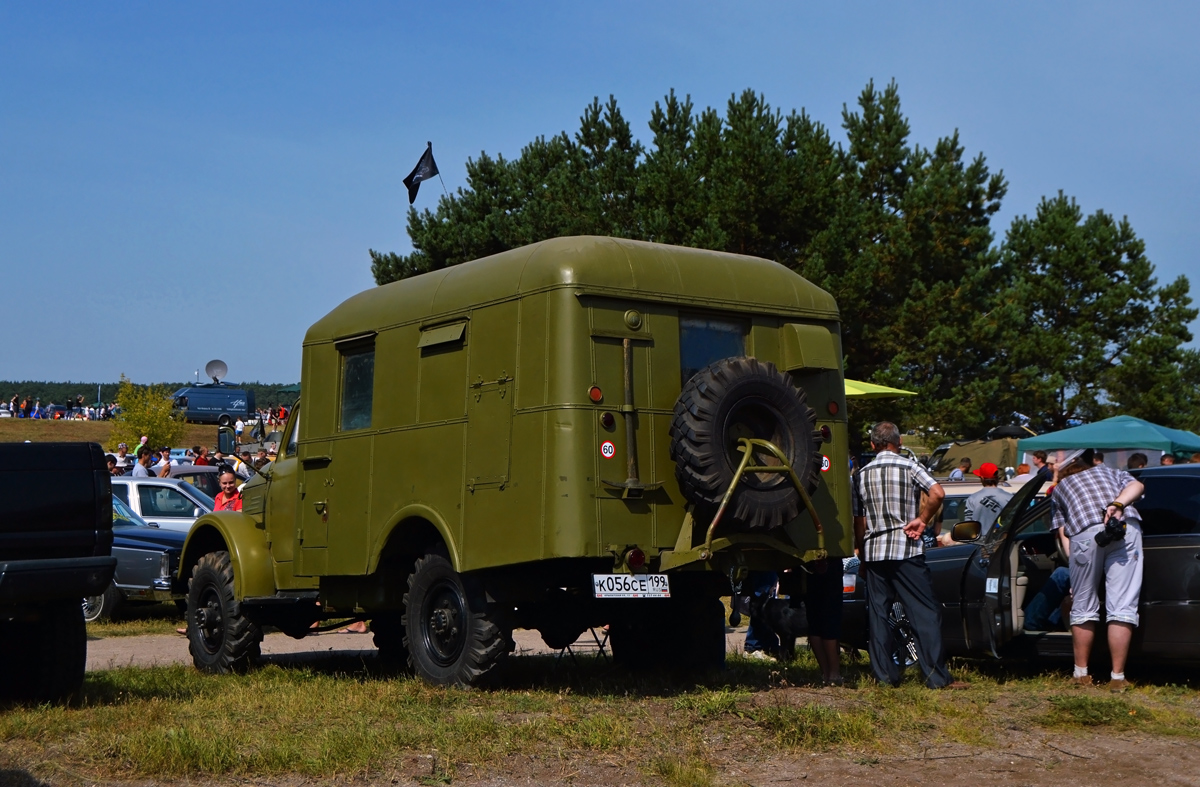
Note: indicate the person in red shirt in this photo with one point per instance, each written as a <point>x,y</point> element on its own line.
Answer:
<point>200,456</point>
<point>229,498</point>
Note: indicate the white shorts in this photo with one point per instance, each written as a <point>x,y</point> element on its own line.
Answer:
<point>1118,565</point>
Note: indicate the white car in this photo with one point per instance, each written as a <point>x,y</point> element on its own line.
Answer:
<point>167,503</point>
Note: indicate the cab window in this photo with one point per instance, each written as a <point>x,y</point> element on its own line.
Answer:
<point>358,383</point>
<point>705,340</point>
<point>293,434</point>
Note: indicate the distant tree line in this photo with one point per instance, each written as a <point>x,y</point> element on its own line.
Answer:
<point>265,394</point>
<point>1062,319</point>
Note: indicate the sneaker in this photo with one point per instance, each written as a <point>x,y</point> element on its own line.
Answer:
<point>835,682</point>
<point>1119,686</point>
<point>1086,680</point>
<point>759,655</point>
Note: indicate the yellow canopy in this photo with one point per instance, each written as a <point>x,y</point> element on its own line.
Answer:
<point>855,389</point>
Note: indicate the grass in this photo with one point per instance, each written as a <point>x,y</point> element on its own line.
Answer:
<point>344,719</point>
<point>135,621</point>
<point>18,430</point>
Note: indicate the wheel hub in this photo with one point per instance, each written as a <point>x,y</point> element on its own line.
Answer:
<point>444,632</point>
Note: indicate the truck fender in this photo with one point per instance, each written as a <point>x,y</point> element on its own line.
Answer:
<point>246,542</point>
<point>415,516</point>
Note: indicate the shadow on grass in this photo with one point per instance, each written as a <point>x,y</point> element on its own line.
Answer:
<point>20,778</point>
<point>588,675</point>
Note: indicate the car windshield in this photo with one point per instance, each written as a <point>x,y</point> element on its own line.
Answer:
<point>1016,508</point>
<point>205,483</point>
<point>204,499</point>
<point>123,515</point>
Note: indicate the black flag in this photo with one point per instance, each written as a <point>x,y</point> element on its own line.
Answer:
<point>426,168</point>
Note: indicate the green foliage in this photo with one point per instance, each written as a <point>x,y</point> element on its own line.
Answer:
<point>1100,336</point>
<point>146,410</point>
<point>1063,320</point>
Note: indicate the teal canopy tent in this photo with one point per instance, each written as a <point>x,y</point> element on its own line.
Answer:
<point>1123,431</point>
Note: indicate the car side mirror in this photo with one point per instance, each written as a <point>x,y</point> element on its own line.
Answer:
<point>197,512</point>
<point>966,531</point>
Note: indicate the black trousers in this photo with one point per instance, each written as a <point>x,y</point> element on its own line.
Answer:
<point>910,583</point>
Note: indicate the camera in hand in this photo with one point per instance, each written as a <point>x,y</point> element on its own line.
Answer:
<point>1114,530</point>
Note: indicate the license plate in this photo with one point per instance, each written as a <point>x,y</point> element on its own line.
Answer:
<point>631,585</point>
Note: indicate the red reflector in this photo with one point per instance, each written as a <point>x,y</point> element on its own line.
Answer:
<point>635,558</point>
<point>608,421</point>
<point>595,394</point>
<point>832,407</point>
<point>826,434</point>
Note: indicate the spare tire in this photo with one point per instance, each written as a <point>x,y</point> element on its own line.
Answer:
<point>744,397</point>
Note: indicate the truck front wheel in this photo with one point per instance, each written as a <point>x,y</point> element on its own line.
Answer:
<point>220,638</point>
<point>450,638</point>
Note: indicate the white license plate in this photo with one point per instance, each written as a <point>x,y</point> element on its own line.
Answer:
<point>631,585</point>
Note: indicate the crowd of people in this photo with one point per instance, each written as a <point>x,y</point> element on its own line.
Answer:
<point>149,462</point>
<point>72,410</point>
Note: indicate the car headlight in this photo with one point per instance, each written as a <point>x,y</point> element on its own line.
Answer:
<point>164,566</point>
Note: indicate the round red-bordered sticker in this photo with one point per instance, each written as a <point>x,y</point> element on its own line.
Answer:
<point>607,449</point>
<point>825,464</point>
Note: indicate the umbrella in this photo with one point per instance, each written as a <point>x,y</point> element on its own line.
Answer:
<point>856,389</point>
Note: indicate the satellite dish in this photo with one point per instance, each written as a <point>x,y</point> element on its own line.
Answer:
<point>216,370</point>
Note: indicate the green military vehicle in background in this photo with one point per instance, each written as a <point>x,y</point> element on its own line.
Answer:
<point>586,431</point>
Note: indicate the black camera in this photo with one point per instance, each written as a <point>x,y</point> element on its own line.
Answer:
<point>1114,530</point>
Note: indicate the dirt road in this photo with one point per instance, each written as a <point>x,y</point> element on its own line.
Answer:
<point>161,649</point>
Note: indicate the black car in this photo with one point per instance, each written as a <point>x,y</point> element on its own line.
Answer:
<point>984,585</point>
<point>147,558</point>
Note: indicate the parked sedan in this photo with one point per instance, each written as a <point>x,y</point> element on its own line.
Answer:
<point>985,582</point>
<point>147,558</point>
<point>168,503</point>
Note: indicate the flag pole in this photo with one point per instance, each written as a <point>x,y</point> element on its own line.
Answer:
<point>461,245</point>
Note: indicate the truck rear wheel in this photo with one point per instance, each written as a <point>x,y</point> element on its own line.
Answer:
<point>220,637</point>
<point>450,637</point>
<point>735,398</point>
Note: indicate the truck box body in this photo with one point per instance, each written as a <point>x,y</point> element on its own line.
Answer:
<point>463,397</point>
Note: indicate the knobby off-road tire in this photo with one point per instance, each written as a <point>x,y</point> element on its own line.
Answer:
<point>103,606</point>
<point>744,397</point>
<point>451,638</point>
<point>221,639</point>
<point>43,656</point>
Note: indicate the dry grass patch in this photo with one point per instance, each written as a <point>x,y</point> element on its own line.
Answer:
<point>348,720</point>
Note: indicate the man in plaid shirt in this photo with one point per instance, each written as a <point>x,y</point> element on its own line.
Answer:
<point>1086,497</point>
<point>887,535</point>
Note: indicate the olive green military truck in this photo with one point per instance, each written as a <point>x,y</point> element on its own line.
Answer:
<point>586,431</point>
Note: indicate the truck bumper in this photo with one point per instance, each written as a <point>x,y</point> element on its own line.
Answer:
<point>32,581</point>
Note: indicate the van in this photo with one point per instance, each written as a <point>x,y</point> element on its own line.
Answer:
<point>552,438</point>
<point>214,403</point>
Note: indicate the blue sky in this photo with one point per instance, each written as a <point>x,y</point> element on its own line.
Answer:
<point>180,182</point>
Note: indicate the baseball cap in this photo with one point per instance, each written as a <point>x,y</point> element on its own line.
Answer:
<point>987,470</point>
<point>122,445</point>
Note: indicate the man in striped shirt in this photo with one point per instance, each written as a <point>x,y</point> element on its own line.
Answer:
<point>888,523</point>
